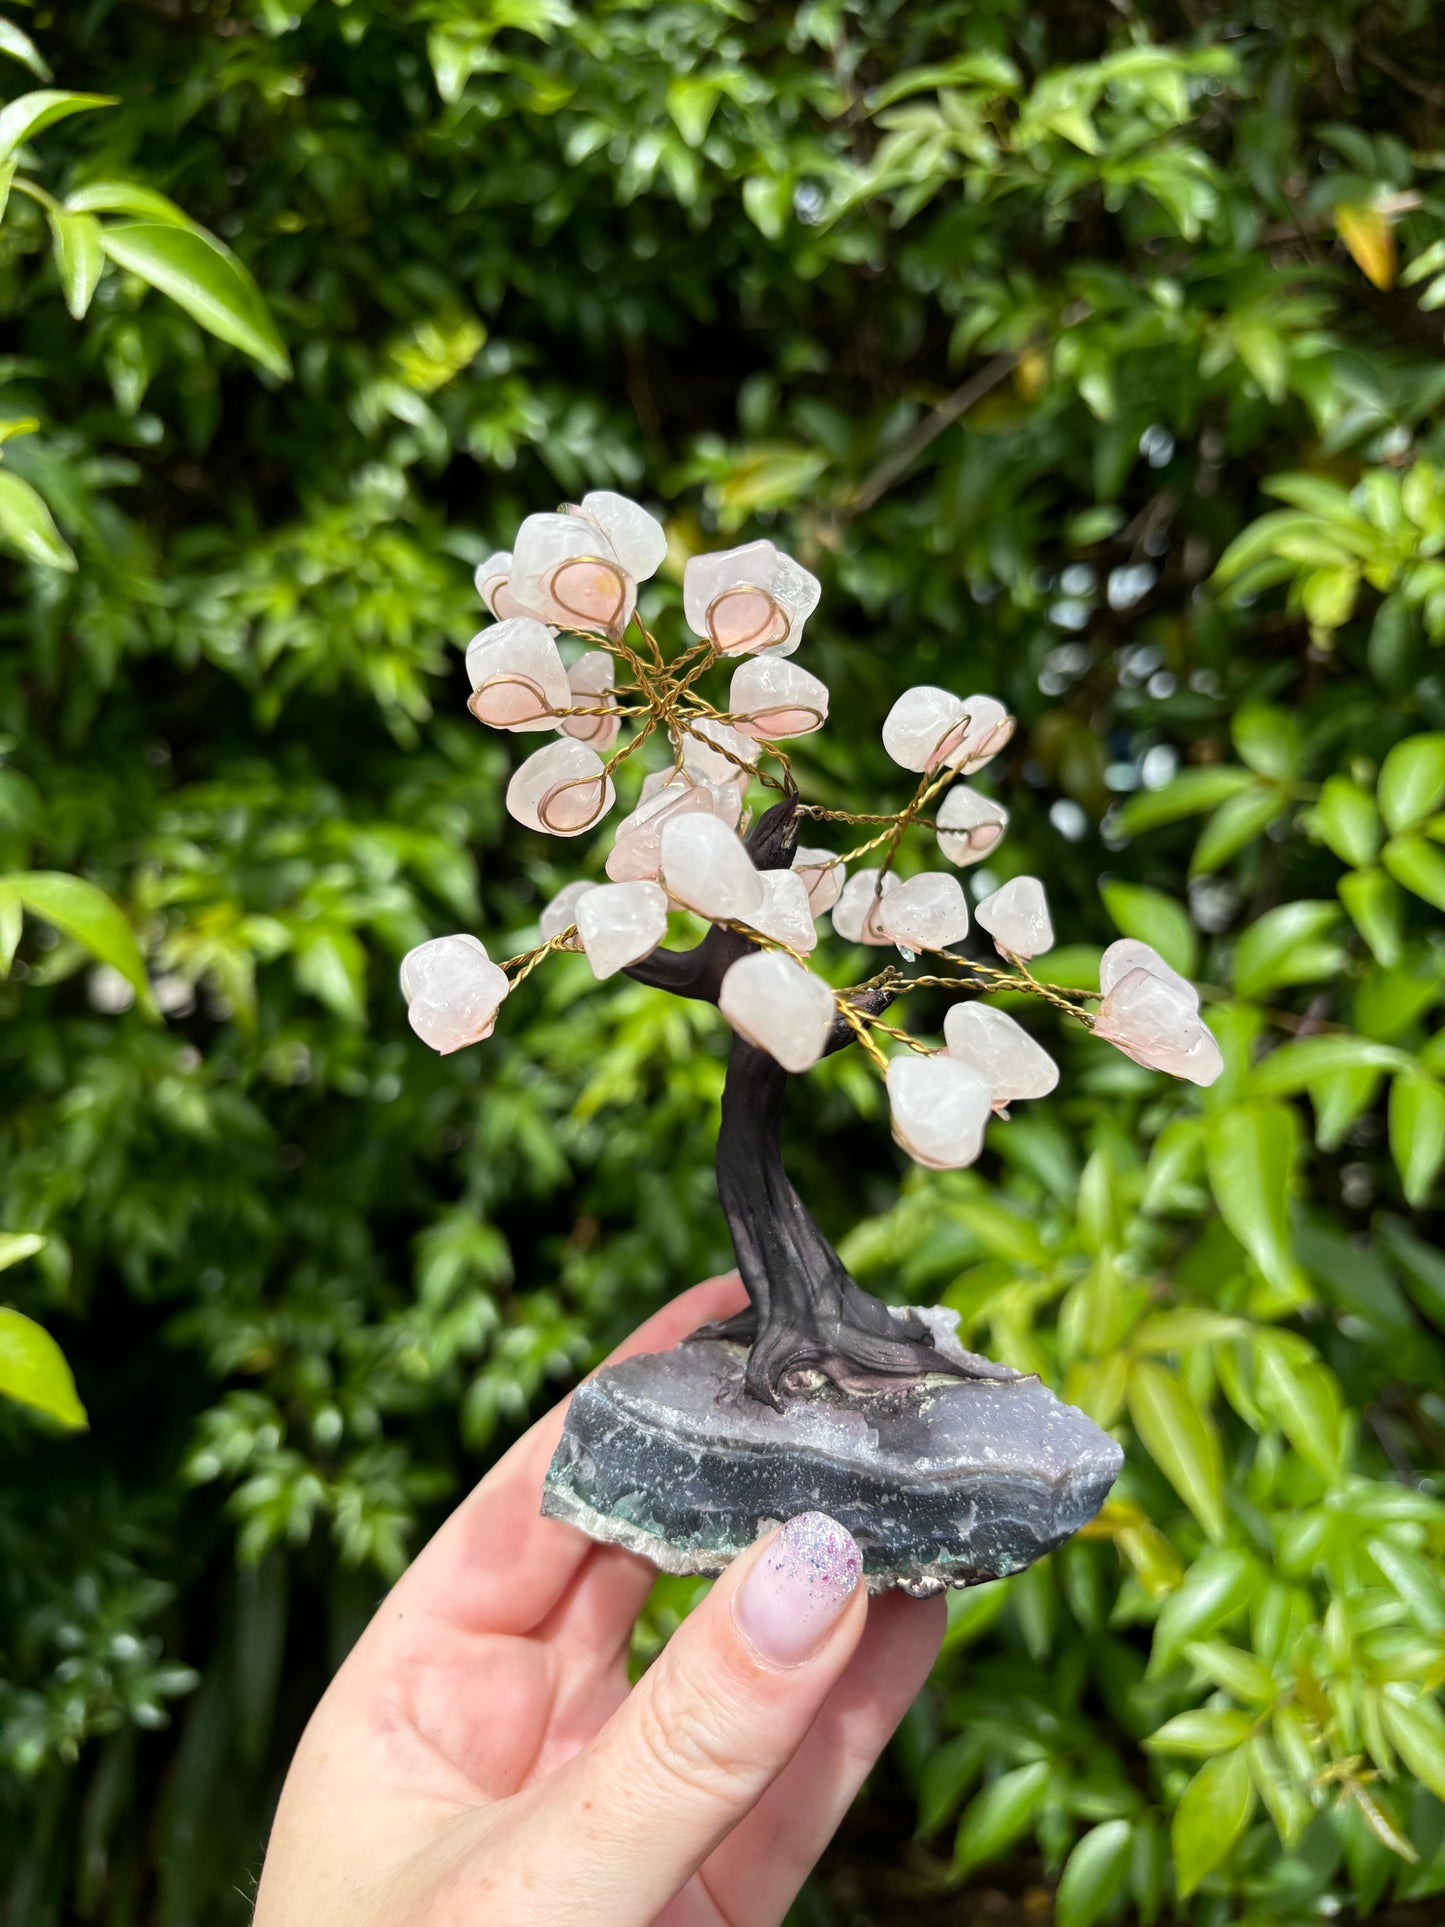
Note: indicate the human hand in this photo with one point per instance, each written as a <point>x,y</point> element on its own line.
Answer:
<point>481,1757</point>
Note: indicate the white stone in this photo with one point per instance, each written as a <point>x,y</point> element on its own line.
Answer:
<point>969,825</point>
<point>703,745</point>
<point>1152,1015</point>
<point>638,539</point>
<point>620,923</point>
<point>922,726</point>
<point>990,728</point>
<point>707,869</point>
<point>493,580</point>
<point>939,1108</point>
<point>561,912</point>
<point>823,874</point>
<point>590,681</point>
<point>855,915</point>
<point>784,914</point>
<point>517,678</point>
<point>453,991</point>
<point>927,912</point>
<point>772,699</point>
<point>1017,918</point>
<point>637,851</point>
<point>779,1006</point>
<point>565,569</point>
<point>749,598</point>
<point>563,789</point>
<point>726,797</point>
<point>1001,1051</point>
<point>1130,954</point>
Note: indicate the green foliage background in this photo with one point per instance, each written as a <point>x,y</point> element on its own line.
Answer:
<point>1017,323</point>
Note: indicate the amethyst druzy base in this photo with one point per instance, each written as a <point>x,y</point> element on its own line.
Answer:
<point>942,1481</point>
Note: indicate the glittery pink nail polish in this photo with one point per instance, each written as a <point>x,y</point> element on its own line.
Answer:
<point>797,1590</point>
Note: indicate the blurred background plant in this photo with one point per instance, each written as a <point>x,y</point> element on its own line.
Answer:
<point>1017,324</point>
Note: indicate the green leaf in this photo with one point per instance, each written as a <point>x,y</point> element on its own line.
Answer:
<point>1201,1732</point>
<point>1189,794</point>
<point>1302,1395</point>
<point>33,1371</point>
<point>1267,739</point>
<point>1212,1814</point>
<point>1285,946</point>
<point>1252,1151</point>
<point>1294,1066</point>
<point>1416,1730</point>
<point>1417,864</point>
<point>1217,1588</point>
<point>1241,1674</point>
<point>1094,1875</point>
<point>127,197</point>
<point>1154,919</point>
<point>332,966</point>
<point>1377,911</point>
<point>87,914</point>
<point>1417,1133</point>
<point>19,46</point>
<point>998,1816</point>
<point>18,1245</point>
<point>1412,781</point>
<point>79,257</point>
<point>1233,825</point>
<point>1346,819</point>
<point>1417,1581</point>
<point>27,523</point>
<point>206,280</point>
<point>1180,1437</point>
<point>21,119</point>
<point>12,918</point>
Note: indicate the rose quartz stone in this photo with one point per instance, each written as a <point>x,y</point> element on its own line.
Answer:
<point>563,789</point>
<point>565,568</point>
<point>969,825</point>
<point>784,914</point>
<point>824,876</point>
<point>1001,1051</point>
<point>517,678</point>
<point>637,539</point>
<point>939,1107</point>
<point>855,915</point>
<point>707,869</point>
<point>927,912</point>
<point>561,913</point>
<point>589,684</point>
<point>779,1006</point>
<point>452,991</point>
<point>772,699</point>
<point>637,850</point>
<point>703,744</point>
<point>1017,918</point>
<point>1151,1013</point>
<point>619,923</point>
<point>749,598</point>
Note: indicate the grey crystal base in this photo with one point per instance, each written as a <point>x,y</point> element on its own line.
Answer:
<point>944,1483</point>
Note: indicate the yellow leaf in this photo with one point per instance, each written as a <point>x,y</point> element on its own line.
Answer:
<point>1031,375</point>
<point>1367,233</point>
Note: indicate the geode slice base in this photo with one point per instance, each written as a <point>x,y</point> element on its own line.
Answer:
<point>946,1482</point>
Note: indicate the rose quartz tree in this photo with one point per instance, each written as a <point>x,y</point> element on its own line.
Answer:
<point>696,842</point>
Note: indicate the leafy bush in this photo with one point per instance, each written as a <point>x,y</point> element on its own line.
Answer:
<point>1018,326</point>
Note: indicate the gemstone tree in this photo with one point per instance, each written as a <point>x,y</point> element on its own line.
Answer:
<point>693,842</point>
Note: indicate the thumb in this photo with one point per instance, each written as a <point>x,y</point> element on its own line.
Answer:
<point>714,1721</point>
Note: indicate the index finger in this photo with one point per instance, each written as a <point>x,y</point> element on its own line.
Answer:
<point>497,1565</point>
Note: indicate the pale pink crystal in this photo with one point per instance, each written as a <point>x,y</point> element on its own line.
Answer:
<point>452,991</point>
<point>619,923</point>
<point>749,598</point>
<point>939,1108</point>
<point>969,825</point>
<point>923,726</point>
<point>517,678</point>
<point>589,682</point>
<point>637,539</point>
<point>927,912</point>
<point>561,913</point>
<point>717,752</point>
<point>707,869</point>
<point>779,1006</point>
<point>565,568</point>
<point>823,874</point>
<point>493,580</point>
<point>855,915</point>
<point>637,851</point>
<point>1152,1015</point>
<point>990,727</point>
<point>1001,1051</point>
<point>772,699</point>
<point>1017,918</point>
<point>1127,954</point>
<point>784,914</point>
<point>563,789</point>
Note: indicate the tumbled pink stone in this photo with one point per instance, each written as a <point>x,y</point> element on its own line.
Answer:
<point>619,923</point>
<point>589,683</point>
<point>707,869</point>
<point>784,914</point>
<point>1017,918</point>
<point>939,1108</point>
<point>969,825</point>
<point>717,752</point>
<point>1001,1051</point>
<point>749,598</point>
<point>927,912</point>
<point>637,539</point>
<point>779,1006</point>
<point>855,915</point>
<point>922,726</point>
<point>1127,954</point>
<point>493,580</point>
<point>452,991</point>
<point>563,789</point>
<point>1156,1022</point>
<point>637,850</point>
<point>565,568</point>
<point>561,913</point>
<point>824,876</point>
<point>990,728</point>
<point>771,699</point>
<point>517,678</point>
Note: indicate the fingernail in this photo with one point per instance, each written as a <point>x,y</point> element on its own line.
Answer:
<point>796,1592</point>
